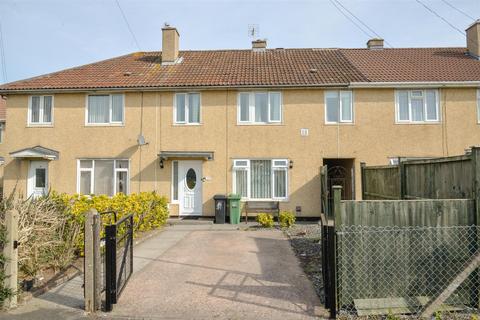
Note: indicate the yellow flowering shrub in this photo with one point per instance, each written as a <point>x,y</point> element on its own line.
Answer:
<point>150,210</point>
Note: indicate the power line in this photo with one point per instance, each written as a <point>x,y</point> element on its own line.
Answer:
<point>459,10</point>
<point>351,20</point>
<point>440,17</point>
<point>363,23</point>
<point>128,25</point>
<point>2,55</point>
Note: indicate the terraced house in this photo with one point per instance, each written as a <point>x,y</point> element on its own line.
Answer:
<point>259,122</point>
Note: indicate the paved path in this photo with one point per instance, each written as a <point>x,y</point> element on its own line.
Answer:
<point>220,275</point>
<point>199,272</point>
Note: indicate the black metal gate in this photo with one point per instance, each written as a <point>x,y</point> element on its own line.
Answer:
<point>118,258</point>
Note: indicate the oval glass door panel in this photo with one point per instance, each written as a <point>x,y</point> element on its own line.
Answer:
<point>191,179</point>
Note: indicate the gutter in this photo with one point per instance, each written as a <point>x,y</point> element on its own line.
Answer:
<point>417,84</point>
<point>177,88</point>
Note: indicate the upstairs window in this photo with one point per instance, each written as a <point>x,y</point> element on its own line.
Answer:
<point>2,131</point>
<point>478,105</point>
<point>187,108</point>
<point>105,109</point>
<point>417,106</point>
<point>259,107</point>
<point>40,110</point>
<point>338,107</point>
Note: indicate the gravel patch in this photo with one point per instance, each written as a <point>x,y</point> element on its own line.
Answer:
<point>305,239</point>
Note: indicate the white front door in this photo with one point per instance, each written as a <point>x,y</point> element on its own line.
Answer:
<point>190,187</point>
<point>37,179</point>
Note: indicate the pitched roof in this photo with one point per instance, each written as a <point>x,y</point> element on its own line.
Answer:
<point>274,67</point>
<point>414,64</point>
<point>3,109</point>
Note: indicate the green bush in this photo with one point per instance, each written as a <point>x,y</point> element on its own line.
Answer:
<point>150,210</point>
<point>265,220</point>
<point>286,219</point>
<point>51,229</point>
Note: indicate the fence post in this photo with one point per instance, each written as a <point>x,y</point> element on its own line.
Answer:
<point>476,197</point>
<point>92,264</point>
<point>337,216</point>
<point>10,252</point>
<point>337,198</point>
<point>362,176</point>
<point>403,179</point>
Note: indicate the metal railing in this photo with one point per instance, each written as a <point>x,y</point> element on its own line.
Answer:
<point>118,258</point>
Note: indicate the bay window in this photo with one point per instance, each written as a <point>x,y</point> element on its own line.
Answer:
<point>40,110</point>
<point>338,107</point>
<point>105,109</point>
<point>260,179</point>
<point>259,107</point>
<point>417,106</point>
<point>103,176</point>
<point>187,108</point>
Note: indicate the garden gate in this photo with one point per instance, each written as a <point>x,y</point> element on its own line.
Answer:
<point>108,260</point>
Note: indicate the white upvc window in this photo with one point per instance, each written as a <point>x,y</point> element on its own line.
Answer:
<point>259,107</point>
<point>338,106</point>
<point>2,131</point>
<point>103,176</point>
<point>261,179</point>
<point>417,106</point>
<point>478,105</point>
<point>105,109</point>
<point>174,182</point>
<point>187,108</point>
<point>40,110</point>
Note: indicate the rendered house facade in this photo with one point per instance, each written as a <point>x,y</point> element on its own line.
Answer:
<point>259,122</point>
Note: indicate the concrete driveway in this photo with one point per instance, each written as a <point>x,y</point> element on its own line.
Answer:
<point>206,272</point>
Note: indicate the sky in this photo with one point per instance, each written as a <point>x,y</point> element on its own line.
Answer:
<point>42,36</point>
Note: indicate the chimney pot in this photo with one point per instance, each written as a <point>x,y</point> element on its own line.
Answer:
<point>259,45</point>
<point>170,43</point>
<point>473,39</point>
<point>375,43</point>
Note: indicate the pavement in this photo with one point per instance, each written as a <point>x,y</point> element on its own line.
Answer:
<point>198,271</point>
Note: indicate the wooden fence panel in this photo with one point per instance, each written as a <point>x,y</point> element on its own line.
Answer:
<point>442,178</point>
<point>381,182</point>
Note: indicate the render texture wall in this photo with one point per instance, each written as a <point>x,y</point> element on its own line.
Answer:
<point>372,138</point>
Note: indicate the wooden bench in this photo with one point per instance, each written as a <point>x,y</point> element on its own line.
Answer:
<point>272,207</point>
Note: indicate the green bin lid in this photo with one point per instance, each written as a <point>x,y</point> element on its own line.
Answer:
<point>233,196</point>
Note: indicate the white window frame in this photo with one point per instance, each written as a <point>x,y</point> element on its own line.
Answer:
<point>246,168</point>
<point>424,95</point>
<point>187,115</point>
<point>110,113</point>
<point>340,112</point>
<point>2,131</point>
<point>41,111</point>
<point>251,108</point>
<point>92,173</point>
<point>172,200</point>
<point>478,106</point>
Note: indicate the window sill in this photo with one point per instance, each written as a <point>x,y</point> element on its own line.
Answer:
<point>104,125</point>
<point>420,123</point>
<point>47,125</point>
<point>187,124</point>
<point>339,123</point>
<point>264,200</point>
<point>260,124</point>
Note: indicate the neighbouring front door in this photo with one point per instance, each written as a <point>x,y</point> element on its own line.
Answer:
<point>37,178</point>
<point>190,187</point>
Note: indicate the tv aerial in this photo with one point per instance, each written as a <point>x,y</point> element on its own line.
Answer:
<point>253,30</point>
